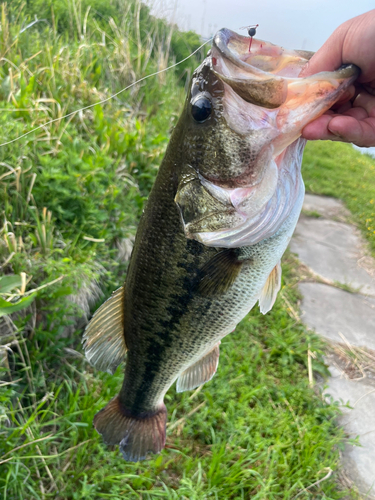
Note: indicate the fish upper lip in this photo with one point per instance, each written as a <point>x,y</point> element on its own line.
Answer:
<point>221,42</point>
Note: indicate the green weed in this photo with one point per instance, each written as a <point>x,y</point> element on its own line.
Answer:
<point>312,213</point>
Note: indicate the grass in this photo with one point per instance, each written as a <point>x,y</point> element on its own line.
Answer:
<point>311,213</point>
<point>71,195</point>
<point>258,429</point>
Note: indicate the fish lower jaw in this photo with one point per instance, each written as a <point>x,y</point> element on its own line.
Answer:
<point>248,225</point>
<point>261,227</point>
<point>231,207</point>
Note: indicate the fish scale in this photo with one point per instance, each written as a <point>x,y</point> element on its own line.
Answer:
<point>221,213</point>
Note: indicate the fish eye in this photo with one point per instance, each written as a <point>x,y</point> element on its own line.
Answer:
<point>201,109</point>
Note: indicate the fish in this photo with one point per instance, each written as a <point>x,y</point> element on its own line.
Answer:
<point>219,217</point>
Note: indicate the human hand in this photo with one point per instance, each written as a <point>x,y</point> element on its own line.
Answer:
<point>352,119</point>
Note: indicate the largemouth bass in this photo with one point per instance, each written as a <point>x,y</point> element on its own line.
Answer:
<point>218,219</point>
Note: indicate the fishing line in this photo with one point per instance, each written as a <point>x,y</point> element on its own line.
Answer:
<point>107,99</point>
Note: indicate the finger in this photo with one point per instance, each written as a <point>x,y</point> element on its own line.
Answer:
<point>365,101</point>
<point>343,108</point>
<point>352,42</point>
<point>349,129</point>
<point>318,129</point>
<point>347,95</point>
<point>342,128</point>
<point>357,113</point>
<point>370,88</point>
<point>329,56</point>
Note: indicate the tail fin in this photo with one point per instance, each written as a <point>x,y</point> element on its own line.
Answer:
<point>136,436</point>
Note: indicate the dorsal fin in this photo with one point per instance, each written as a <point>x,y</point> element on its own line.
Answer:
<point>200,372</point>
<point>104,341</point>
<point>270,290</point>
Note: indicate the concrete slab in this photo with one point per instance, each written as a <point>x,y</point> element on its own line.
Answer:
<point>327,207</point>
<point>359,461</point>
<point>334,250</point>
<point>329,310</point>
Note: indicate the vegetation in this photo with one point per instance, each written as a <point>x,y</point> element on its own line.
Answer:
<point>71,194</point>
<point>338,170</point>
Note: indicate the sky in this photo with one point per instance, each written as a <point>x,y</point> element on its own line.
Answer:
<point>297,24</point>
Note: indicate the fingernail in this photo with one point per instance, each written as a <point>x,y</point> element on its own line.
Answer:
<point>369,89</point>
<point>304,70</point>
<point>336,134</point>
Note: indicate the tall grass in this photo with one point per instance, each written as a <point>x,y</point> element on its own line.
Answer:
<point>78,183</point>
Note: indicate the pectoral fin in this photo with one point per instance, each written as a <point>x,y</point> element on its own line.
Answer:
<point>219,274</point>
<point>269,292</point>
<point>200,372</point>
<point>104,342</point>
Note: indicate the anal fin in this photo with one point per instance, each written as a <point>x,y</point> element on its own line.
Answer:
<point>200,372</point>
<point>270,290</point>
<point>104,342</point>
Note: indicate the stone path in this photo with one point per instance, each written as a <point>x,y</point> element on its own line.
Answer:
<point>339,304</point>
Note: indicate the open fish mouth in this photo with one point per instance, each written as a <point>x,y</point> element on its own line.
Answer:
<point>266,104</point>
<point>268,75</point>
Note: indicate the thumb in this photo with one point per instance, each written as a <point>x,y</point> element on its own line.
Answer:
<point>329,56</point>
